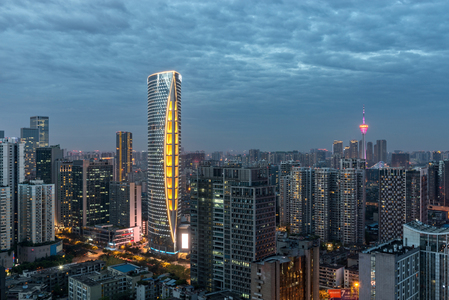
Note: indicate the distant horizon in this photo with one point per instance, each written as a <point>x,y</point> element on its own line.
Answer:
<point>287,75</point>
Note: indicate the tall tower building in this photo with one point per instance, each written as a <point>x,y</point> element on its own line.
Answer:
<point>124,155</point>
<point>232,225</point>
<point>353,149</point>
<point>363,129</point>
<point>126,204</point>
<point>12,173</point>
<point>302,201</point>
<point>41,123</point>
<point>352,201</point>
<point>30,136</point>
<point>164,144</point>
<point>369,153</point>
<point>6,237</point>
<point>46,163</point>
<point>64,194</point>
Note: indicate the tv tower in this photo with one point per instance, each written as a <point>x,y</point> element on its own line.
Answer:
<point>363,129</point>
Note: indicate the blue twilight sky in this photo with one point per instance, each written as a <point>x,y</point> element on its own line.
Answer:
<point>274,75</point>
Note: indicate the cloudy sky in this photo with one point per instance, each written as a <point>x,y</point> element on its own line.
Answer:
<point>274,75</point>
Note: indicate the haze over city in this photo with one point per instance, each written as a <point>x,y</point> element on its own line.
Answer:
<point>278,75</point>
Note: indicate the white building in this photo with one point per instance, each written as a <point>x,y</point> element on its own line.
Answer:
<point>36,212</point>
<point>12,172</point>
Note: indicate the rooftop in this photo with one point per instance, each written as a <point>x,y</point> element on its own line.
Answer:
<point>394,247</point>
<point>421,227</point>
<point>125,268</point>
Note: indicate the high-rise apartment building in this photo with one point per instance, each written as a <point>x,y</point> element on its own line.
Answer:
<point>380,151</point>
<point>125,204</point>
<point>302,201</point>
<point>254,155</point>
<point>352,202</point>
<point>353,149</point>
<point>12,172</point>
<point>124,155</point>
<point>232,225</point>
<point>36,212</point>
<point>46,163</point>
<point>164,144</point>
<point>402,199</point>
<point>41,123</point>
<point>6,231</point>
<point>337,148</point>
<point>30,137</point>
<point>369,153</point>
<point>327,208</point>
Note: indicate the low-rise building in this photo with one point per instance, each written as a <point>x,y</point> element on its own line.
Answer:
<point>332,276</point>
<point>111,235</point>
<point>31,252</point>
<point>351,276</point>
<point>24,290</point>
<point>59,275</point>
<point>132,273</point>
<point>97,285</point>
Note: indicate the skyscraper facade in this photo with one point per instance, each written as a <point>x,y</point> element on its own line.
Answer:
<point>41,123</point>
<point>337,148</point>
<point>46,163</point>
<point>124,155</point>
<point>353,149</point>
<point>30,136</point>
<point>164,144</point>
<point>380,151</point>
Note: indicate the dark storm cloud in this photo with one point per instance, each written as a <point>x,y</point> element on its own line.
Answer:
<point>273,75</point>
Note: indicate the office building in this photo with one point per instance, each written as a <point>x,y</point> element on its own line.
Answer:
<point>125,204</point>
<point>124,156</point>
<point>400,160</point>
<point>292,275</point>
<point>90,203</point>
<point>36,212</point>
<point>232,225</point>
<point>164,143</point>
<point>353,149</point>
<point>12,172</point>
<point>432,244</point>
<point>391,271</point>
<point>46,163</point>
<point>2,134</point>
<point>41,123</point>
<point>64,198</point>
<point>30,138</point>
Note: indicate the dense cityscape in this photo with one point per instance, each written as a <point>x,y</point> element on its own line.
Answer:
<point>246,150</point>
<point>355,222</point>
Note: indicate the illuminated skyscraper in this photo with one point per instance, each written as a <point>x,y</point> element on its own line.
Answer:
<point>353,149</point>
<point>164,142</point>
<point>42,123</point>
<point>30,136</point>
<point>124,155</point>
<point>363,129</point>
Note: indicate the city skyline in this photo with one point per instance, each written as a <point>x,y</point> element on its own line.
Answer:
<point>265,75</point>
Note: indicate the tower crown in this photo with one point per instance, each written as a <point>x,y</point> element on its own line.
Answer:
<point>363,127</point>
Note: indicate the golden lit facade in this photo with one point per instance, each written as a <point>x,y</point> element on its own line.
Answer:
<point>164,141</point>
<point>124,148</point>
